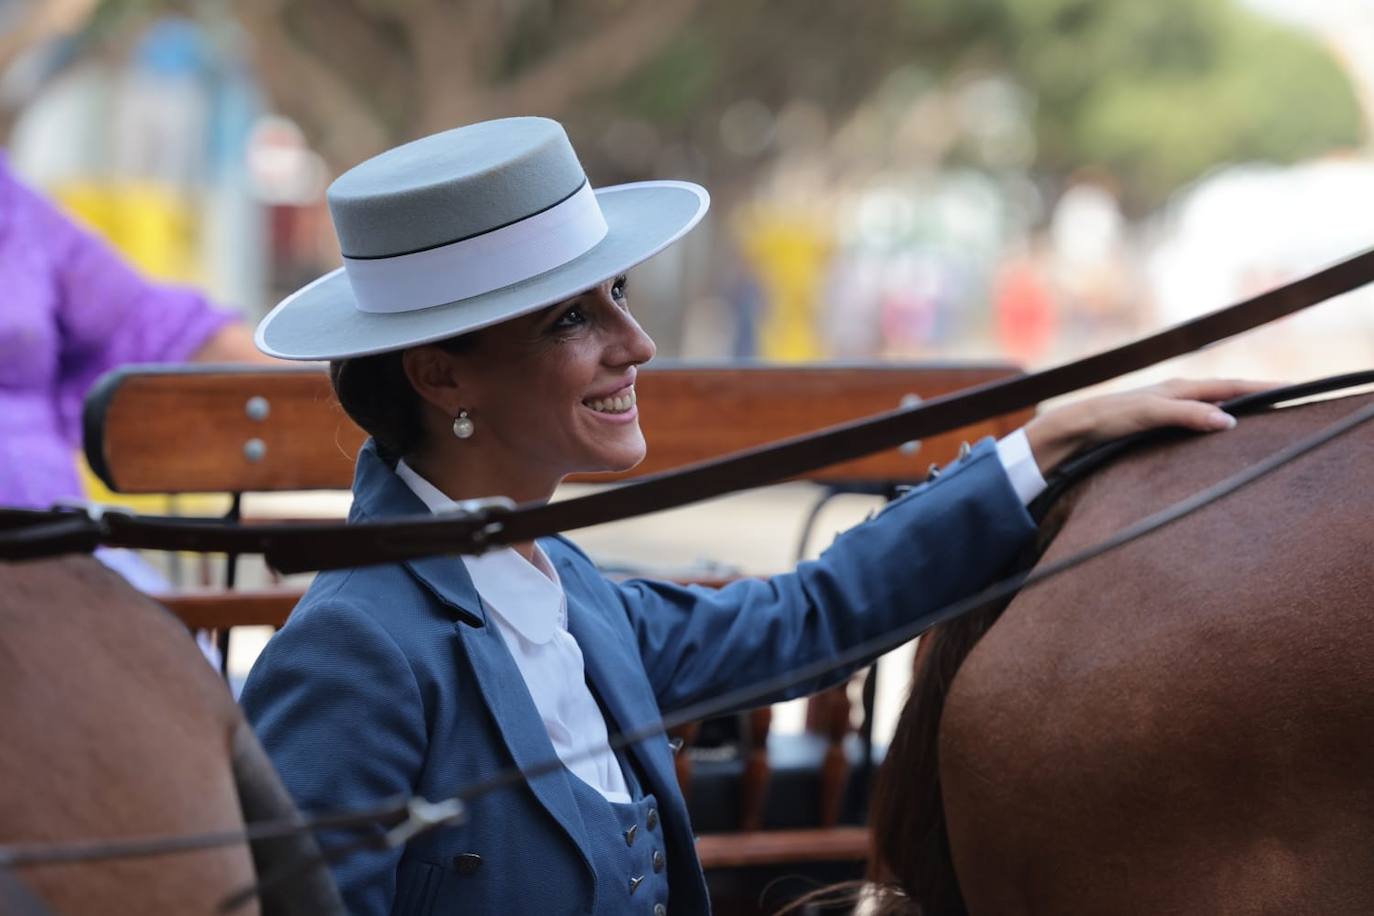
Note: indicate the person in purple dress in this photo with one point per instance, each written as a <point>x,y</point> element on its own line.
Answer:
<point>72,310</point>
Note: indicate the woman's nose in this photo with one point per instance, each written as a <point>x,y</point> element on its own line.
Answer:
<point>632,344</point>
<point>639,346</point>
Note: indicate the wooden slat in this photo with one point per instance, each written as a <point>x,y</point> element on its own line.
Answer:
<point>188,430</point>
<point>693,413</point>
<point>220,609</point>
<point>782,847</point>
<point>192,430</point>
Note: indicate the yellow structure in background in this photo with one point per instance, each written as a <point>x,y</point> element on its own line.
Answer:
<point>789,253</point>
<point>152,225</point>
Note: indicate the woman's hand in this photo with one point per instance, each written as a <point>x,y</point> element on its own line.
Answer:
<point>1058,433</point>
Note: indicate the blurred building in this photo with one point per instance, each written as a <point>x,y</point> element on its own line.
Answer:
<point>1250,228</point>
<point>167,150</point>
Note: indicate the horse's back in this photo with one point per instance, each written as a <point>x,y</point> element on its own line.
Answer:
<point>114,725</point>
<point>1182,726</point>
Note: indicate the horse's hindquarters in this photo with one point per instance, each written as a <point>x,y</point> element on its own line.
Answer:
<point>114,727</point>
<point>1183,726</point>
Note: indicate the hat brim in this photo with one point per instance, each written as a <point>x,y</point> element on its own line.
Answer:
<point>321,321</point>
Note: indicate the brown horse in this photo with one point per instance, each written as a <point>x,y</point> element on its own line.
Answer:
<point>1182,726</point>
<point>115,727</point>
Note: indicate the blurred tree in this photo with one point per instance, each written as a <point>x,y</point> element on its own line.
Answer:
<point>1158,93</point>
<point>30,25</point>
<point>26,25</point>
<point>1154,93</point>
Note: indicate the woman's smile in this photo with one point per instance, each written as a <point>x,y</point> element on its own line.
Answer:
<point>617,407</point>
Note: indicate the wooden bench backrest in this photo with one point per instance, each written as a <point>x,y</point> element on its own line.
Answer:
<point>222,429</point>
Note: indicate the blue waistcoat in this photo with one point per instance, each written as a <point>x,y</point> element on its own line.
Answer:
<point>631,863</point>
<point>388,681</point>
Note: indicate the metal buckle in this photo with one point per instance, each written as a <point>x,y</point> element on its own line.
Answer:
<point>96,512</point>
<point>480,510</point>
<point>423,816</point>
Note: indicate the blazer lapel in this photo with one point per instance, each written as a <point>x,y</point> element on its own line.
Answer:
<point>379,493</point>
<point>521,728</point>
<point>608,661</point>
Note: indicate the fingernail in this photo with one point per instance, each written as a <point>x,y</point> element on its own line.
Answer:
<point>1220,419</point>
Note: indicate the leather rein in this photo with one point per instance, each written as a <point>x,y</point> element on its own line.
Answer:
<point>482,524</point>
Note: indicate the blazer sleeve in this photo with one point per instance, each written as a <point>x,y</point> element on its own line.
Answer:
<point>338,709</point>
<point>942,542</point>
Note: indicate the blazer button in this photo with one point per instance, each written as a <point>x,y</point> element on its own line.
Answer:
<point>467,863</point>
<point>652,820</point>
<point>630,834</point>
<point>635,882</point>
<point>658,860</point>
<point>660,910</point>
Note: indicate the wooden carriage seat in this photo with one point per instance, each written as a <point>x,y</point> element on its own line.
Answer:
<point>237,430</point>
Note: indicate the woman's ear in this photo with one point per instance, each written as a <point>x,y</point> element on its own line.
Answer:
<point>434,374</point>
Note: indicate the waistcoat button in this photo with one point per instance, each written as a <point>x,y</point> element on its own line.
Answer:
<point>652,820</point>
<point>658,860</point>
<point>630,834</point>
<point>635,882</point>
<point>467,863</point>
<point>660,910</point>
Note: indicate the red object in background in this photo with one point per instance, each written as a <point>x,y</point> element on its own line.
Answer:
<point>1026,313</point>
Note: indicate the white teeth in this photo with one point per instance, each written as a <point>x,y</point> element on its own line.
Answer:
<point>618,404</point>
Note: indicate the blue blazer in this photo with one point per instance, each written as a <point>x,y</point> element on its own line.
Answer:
<point>386,681</point>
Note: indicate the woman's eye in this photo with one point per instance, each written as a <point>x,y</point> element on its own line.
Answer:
<point>618,289</point>
<point>572,318</point>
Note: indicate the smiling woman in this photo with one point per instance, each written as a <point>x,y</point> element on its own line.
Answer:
<point>480,331</point>
<point>546,395</point>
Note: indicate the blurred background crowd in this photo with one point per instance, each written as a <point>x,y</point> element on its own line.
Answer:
<point>1030,179</point>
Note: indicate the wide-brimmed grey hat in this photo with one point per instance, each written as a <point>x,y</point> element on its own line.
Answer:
<point>466,229</point>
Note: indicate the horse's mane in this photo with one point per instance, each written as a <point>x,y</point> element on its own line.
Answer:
<point>912,871</point>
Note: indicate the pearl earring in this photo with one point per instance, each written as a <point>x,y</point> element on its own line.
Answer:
<point>462,425</point>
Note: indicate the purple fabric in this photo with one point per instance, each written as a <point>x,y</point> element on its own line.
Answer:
<point>70,310</point>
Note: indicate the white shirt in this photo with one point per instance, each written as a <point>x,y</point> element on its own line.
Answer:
<point>530,610</point>
<point>1014,452</point>
<point>527,604</point>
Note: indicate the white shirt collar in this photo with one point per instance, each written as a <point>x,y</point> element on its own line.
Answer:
<point>528,596</point>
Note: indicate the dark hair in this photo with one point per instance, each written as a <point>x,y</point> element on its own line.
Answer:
<point>375,393</point>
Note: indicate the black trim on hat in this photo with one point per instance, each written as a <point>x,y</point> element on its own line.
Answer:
<point>519,219</point>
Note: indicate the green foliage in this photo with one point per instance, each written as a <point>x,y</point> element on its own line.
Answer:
<point>1155,92</point>
<point>674,85</point>
<point>1158,93</point>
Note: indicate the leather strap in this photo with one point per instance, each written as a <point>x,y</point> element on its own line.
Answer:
<point>297,547</point>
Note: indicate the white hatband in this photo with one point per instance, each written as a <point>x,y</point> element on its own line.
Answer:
<point>481,264</point>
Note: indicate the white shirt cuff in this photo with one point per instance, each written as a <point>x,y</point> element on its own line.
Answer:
<point>1014,452</point>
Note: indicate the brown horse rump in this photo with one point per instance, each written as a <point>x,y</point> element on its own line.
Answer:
<point>115,728</point>
<point>1180,726</point>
